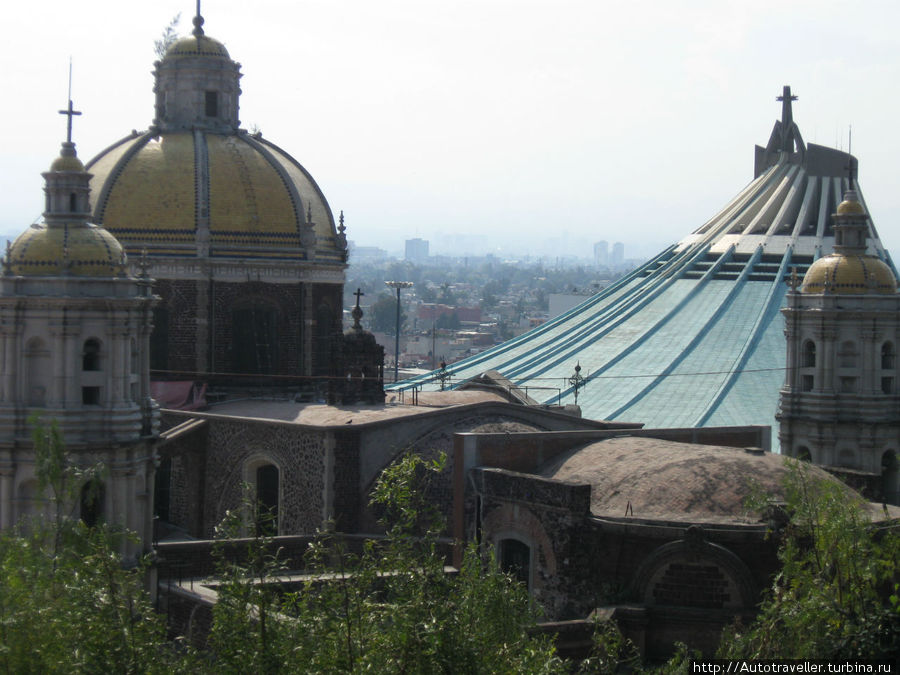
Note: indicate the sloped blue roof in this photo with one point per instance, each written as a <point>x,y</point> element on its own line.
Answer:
<point>694,337</point>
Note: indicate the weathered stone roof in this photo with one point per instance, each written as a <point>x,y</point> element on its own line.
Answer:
<point>665,480</point>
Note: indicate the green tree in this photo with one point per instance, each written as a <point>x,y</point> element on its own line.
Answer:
<point>168,37</point>
<point>448,321</point>
<point>67,603</point>
<point>836,595</point>
<point>383,313</point>
<point>392,608</point>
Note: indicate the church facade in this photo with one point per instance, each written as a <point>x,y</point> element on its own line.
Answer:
<point>74,335</point>
<point>241,242</point>
<point>840,405</point>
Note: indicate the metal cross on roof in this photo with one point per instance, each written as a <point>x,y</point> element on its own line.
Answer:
<point>358,294</point>
<point>69,112</point>
<point>787,115</point>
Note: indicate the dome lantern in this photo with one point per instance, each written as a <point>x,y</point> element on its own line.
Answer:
<point>850,270</point>
<point>66,243</point>
<point>197,85</point>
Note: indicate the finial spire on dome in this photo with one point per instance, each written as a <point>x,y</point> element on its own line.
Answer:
<point>70,112</point>
<point>198,22</point>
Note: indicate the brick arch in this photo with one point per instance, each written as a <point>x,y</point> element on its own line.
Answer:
<point>692,572</point>
<point>519,522</point>
<point>428,444</point>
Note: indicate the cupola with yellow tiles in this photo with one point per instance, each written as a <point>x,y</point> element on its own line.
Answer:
<point>840,400</point>
<point>65,243</point>
<point>196,185</point>
<point>242,244</point>
<point>75,338</point>
<point>849,270</point>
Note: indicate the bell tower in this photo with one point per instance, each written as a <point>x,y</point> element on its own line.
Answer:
<point>840,403</point>
<point>74,345</point>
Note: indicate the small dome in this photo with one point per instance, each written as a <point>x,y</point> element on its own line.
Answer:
<point>67,163</point>
<point>196,45</point>
<point>850,207</point>
<point>78,249</point>
<point>849,275</point>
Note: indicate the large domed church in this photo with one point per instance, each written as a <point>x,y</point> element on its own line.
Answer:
<point>241,241</point>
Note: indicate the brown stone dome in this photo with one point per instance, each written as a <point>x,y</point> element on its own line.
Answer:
<point>666,480</point>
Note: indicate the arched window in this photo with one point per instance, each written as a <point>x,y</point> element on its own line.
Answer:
<point>162,489</point>
<point>37,372</point>
<point>326,327</point>
<point>809,354</point>
<point>890,477</point>
<point>803,454</point>
<point>135,357</point>
<point>90,355</point>
<point>29,499</point>
<point>887,355</point>
<point>253,333</point>
<point>267,495</point>
<point>515,559</point>
<point>93,495</point>
<point>159,340</point>
<point>212,103</point>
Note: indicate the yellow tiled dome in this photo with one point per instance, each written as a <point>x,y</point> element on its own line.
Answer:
<point>849,275</point>
<point>67,163</point>
<point>199,45</point>
<point>162,193</point>
<point>850,207</point>
<point>78,249</point>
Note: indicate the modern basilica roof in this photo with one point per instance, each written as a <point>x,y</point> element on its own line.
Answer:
<point>694,337</point>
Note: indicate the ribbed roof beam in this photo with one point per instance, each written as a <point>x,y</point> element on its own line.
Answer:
<point>804,213</point>
<point>651,269</point>
<point>558,353</point>
<point>757,202</point>
<point>776,198</point>
<point>636,344</point>
<point>698,336</point>
<point>751,342</point>
<point>731,207</point>
<point>786,217</point>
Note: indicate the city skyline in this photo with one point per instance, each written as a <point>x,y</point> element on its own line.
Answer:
<point>495,119</point>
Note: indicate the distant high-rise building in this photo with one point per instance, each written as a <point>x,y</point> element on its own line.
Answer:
<point>417,250</point>
<point>601,253</point>
<point>618,254</point>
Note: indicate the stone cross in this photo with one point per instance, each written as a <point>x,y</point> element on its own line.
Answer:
<point>358,294</point>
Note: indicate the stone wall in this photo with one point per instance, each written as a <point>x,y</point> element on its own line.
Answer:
<point>298,453</point>
<point>179,300</point>
<point>690,579</point>
<point>284,299</point>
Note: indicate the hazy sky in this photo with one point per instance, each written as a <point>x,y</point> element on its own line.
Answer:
<point>524,121</point>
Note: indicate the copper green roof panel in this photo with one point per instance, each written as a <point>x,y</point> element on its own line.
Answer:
<point>694,337</point>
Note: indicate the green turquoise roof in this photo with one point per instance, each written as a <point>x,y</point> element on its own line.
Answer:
<point>695,336</point>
